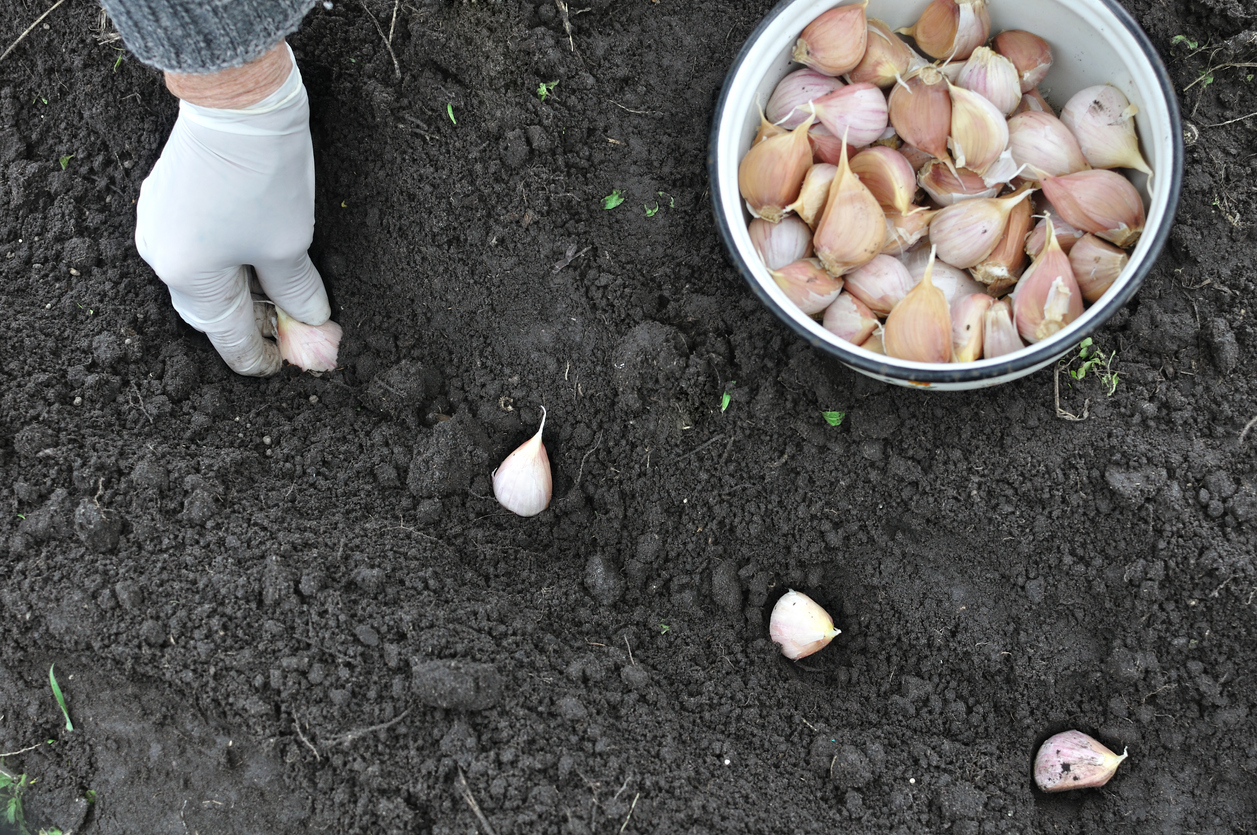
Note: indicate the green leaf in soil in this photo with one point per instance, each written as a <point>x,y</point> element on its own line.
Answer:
<point>56,692</point>
<point>833,418</point>
<point>615,198</point>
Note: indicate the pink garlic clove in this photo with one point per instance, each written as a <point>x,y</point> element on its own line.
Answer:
<point>1073,760</point>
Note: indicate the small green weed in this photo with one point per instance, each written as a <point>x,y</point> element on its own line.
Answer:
<point>727,396</point>
<point>651,211</point>
<point>663,628</point>
<point>65,161</point>
<point>833,418</point>
<point>56,692</point>
<point>449,110</point>
<point>615,198</point>
<point>12,787</point>
<point>1094,361</point>
<point>546,89</point>
<point>1183,39</point>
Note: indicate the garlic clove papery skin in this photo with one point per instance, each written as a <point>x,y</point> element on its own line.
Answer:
<point>771,174</point>
<point>858,112</point>
<point>1000,270</point>
<point>967,232</point>
<point>1030,55</point>
<point>1073,760</point>
<point>993,77</point>
<point>1066,235</point>
<point>953,281</point>
<point>849,318</point>
<point>852,228</point>
<point>903,231</point>
<point>946,186</point>
<point>309,347</point>
<point>835,41</point>
<point>1103,120</point>
<point>888,175</point>
<point>806,283</point>
<point>967,314</point>
<point>1043,143</point>
<point>886,56</point>
<point>917,158</point>
<point>787,106</point>
<point>979,131</point>
<point>999,332</point>
<point>767,130</point>
<point>813,195</point>
<point>1096,265</point>
<point>522,483</point>
<point>1098,201</point>
<point>800,626</point>
<point>951,29</point>
<point>880,284</point>
<point>1047,298</point>
<point>919,328</point>
<point>920,110</point>
<point>874,344</point>
<point>781,243</point>
<point>1034,102</point>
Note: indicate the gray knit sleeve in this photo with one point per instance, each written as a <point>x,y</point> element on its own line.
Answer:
<point>202,36</point>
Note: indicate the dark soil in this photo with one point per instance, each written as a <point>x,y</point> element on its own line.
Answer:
<point>292,605</point>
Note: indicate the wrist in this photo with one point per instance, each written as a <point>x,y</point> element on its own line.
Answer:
<point>238,87</point>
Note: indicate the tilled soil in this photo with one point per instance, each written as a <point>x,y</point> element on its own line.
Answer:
<point>292,605</point>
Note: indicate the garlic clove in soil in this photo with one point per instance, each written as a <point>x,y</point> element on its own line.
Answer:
<point>951,29</point>
<point>1103,120</point>
<point>771,174</point>
<point>919,328</point>
<point>835,41</point>
<point>522,483</point>
<point>1073,760</point>
<point>781,243</point>
<point>800,626</point>
<point>1029,53</point>
<point>309,347</point>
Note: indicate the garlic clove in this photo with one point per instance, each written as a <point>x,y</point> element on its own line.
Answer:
<point>1000,270</point>
<point>1073,760</point>
<point>781,243</point>
<point>309,347</point>
<point>771,174</point>
<point>767,130</point>
<point>979,131</point>
<point>967,232</point>
<point>917,158</point>
<point>1100,202</point>
<point>951,29</point>
<point>1043,143</point>
<point>834,42</point>
<point>1103,119</point>
<point>1030,54</point>
<point>852,228</point>
<point>813,194</point>
<point>904,230</point>
<point>1047,298</point>
<point>1034,101</point>
<point>800,626</point>
<point>787,106</point>
<point>522,482</point>
<point>953,281</point>
<point>849,318</point>
<point>806,283</point>
<point>857,112</point>
<point>966,326</point>
<point>919,328</point>
<point>920,109</point>
<point>946,185</point>
<point>886,56</point>
<point>880,284</point>
<point>1096,265</point>
<point>999,333</point>
<point>888,175</point>
<point>1066,235</point>
<point>826,147</point>
<point>874,344</point>
<point>992,76</point>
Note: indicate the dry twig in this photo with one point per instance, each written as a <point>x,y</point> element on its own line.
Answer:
<point>388,39</point>
<point>465,791</point>
<point>30,29</point>
<point>1061,413</point>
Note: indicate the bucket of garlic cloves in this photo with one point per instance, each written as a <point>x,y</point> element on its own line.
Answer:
<point>946,193</point>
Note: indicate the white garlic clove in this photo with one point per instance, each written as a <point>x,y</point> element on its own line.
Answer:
<point>953,281</point>
<point>951,29</point>
<point>849,318</point>
<point>880,284</point>
<point>919,107</point>
<point>979,131</point>
<point>1103,119</point>
<point>967,232</point>
<point>1098,201</point>
<point>1066,235</point>
<point>886,56</point>
<point>857,111</point>
<point>1034,101</point>
<point>888,174</point>
<point>852,227</point>
<point>919,328</point>
<point>903,231</point>
<point>1096,265</point>
<point>946,186</point>
<point>1042,142</point>
<point>522,483</point>
<point>787,106</point>
<point>1047,298</point>
<point>1073,760</point>
<point>966,326</point>
<point>999,332</point>
<point>813,195</point>
<point>309,347</point>
<point>800,626</point>
<point>992,76</point>
<point>781,243</point>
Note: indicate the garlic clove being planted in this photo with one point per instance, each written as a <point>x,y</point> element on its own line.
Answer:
<point>771,174</point>
<point>967,314</point>
<point>1043,143</point>
<point>834,42</point>
<point>886,56</point>
<point>919,328</point>
<point>309,347</point>
<point>857,112</point>
<point>1103,119</point>
<point>888,174</point>
<point>920,109</point>
<point>849,318</point>
<point>800,626</point>
<point>853,227</point>
<point>1073,760</point>
<point>880,284</point>
<point>1029,53</point>
<point>781,243</point>
<point>1047,298</point>
<point>951,29</point>
<point>787,106</point>
<point>999,333</point>
<point>992,76</point>
<point>979,131</point>
<point>522,482</point>
<point>806,283</point>
<point>1096,265</point>
<point>1099,201</point>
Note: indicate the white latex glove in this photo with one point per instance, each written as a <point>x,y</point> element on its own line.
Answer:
<point>233,189</point>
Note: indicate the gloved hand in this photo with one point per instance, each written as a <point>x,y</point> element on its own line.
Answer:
<point>234,189</point>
